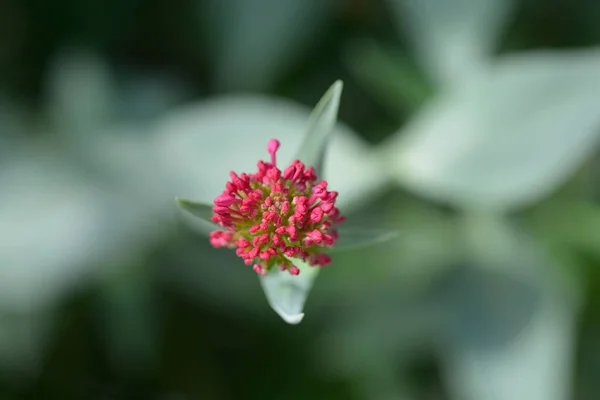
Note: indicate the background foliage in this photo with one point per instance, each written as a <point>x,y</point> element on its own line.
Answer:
<point>470,126</point>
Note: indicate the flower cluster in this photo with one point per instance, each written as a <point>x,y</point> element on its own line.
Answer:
<point>271,216</point>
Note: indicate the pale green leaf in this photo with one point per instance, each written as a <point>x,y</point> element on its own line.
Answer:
<point>510,317</point>
<point>200,210</point>
<point>452,38</point>
<point>532,363</point>
<point>287,293</point>
<point>573,224</point>
<point>388,76</point>
<point>505,138</point>
<point>320,127</point>
<point>66,229</point>
<point>254,43</point>
<point>131,319</point>
<point>354,238</point>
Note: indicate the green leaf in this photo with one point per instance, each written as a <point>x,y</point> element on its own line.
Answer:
<point>451,38</point>
<point>531,362</point>
<point>127,306</point>
<point>354,238</point>
<point>320,126</point>
<point>510,315</point>
<point>572,224</point>
<point>287,293</point>
<point>200,210</point>
<point>505,138</point>
<point>255,43</point>
<point>388,76</point>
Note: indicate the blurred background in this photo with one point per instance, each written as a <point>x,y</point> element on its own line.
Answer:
<point>469,126</point>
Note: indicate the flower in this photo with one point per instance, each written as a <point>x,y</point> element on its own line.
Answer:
<point>272,216</point>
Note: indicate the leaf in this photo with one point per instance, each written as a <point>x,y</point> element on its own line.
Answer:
<point>573,224</point>
<point>505,138</point>
<point>81,93</point>
<point>254,43</point>
<point>68,231</point>
<point>200,210</point>
<point>535,365</point>
<point>23,338</point>
<point>200,215</point>
<point>510,317</point>
<point>287,293</point>
<point>130,317</point>
<point>452,38</point>
<point>487,306</point>
<point>354,238</point>
<point>389,77</point>
<point>320,127</point>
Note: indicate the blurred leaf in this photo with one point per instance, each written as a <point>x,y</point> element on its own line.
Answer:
<point>376,339</point>
<point>23,337</point>
<point>534,366</point>
<point>506,137</point>
<point>81,94</point>
<point>518,345</point>
<point>256,42</point>
<point>119,159</point>
<point>355,238</point>
<point>46,207</point>
<point>13,120</point>
<point>320,127</point>
<point>145,96</point>
<point>131,319</point>
<point>287,293</point>
<point>92,213</point>
<point>452,38</point>
<point>492,295</point>
<point>388,76</point>
<point>200,210</point>
<point>575,224</point>
<point>201,143</point>
<point>486,307</point>
<point>199,216</point>
<point>122,162</point>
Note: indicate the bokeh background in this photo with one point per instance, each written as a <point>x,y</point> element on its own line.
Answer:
<point>469,126</point>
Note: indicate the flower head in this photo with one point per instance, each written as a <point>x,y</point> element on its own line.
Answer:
<point>274,215</point>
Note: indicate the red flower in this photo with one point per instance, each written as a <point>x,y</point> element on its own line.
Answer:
<point>272,215</point>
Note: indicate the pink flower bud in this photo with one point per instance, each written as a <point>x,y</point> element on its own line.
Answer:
<point>271,216</point>
<point>225,200</point>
